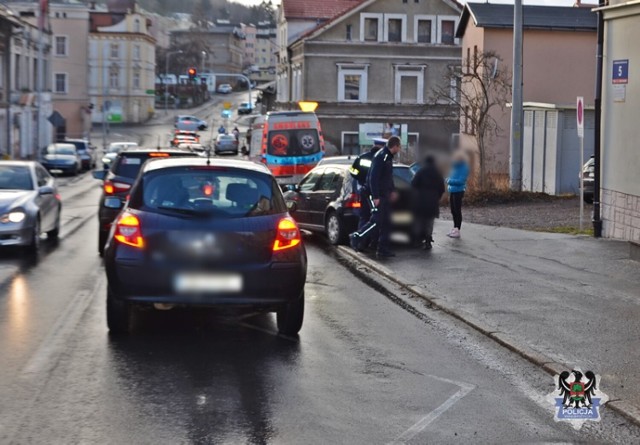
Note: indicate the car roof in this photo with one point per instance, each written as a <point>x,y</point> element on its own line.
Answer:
<point>141,150</point>
<point>62,144</point>
<point>160,163</point>
<point>19,163</point>
<point>76,140</point>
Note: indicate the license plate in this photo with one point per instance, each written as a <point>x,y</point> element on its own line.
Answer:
<point>215,283</point>
<point>401,218</point>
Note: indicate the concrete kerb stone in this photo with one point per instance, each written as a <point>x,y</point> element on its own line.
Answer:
<point>623,408</point>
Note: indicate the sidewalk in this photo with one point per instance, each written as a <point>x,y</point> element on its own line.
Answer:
<point>560,300</point>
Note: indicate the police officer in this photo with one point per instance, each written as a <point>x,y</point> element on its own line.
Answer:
<point>380,185</point>
<point>359,171</point>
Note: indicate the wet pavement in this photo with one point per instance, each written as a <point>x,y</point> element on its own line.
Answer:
<point>369,366</point>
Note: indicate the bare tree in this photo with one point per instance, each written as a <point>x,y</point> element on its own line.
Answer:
<point>476,90</point>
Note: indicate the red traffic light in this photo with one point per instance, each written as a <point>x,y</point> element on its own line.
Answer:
<point>191,72</point>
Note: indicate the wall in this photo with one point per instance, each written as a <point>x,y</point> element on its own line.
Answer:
<point>620,129</point>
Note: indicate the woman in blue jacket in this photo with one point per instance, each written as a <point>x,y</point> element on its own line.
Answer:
<point>456,186</point>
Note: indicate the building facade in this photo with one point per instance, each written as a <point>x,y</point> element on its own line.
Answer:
<point>620,194</point>
<point>266,52</point>
<point>554,77</point>
<point>372,71</point>
<point>224,46</point>
<point>121,65</point>
<point>249,45</point>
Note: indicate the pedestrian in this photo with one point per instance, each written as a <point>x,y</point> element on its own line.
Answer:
<point>359,171</point>
<point>222,130</point>
<point>382,190</point>
<point>236,133</point>
<point>427,188</point>
<point>456,186</point>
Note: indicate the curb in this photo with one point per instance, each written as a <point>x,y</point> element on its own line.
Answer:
<point>551,367</point>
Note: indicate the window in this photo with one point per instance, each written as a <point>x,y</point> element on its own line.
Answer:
<point>136,80</point>
<point>395,28</point>
<point>329,181</point>
<point>352,83</point>
<point>447,29</point>
<point>136,52</point>
<point>348,36</point>
<point>409,84</point>
<point>475,55</point>
<point>310,181</point>
<point>468,59</point>
<point>60,83</point>
<point>424,31</point>
<point>42,175</point>
<point>114,78</point>
<point>350,143</point>
<point>453,86</point>
<point>136,26</point>
<point>370,27</point>
<point>114,51</point>
<point>61,45</point>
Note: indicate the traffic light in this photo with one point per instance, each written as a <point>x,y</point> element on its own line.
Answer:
<point>192,73</point>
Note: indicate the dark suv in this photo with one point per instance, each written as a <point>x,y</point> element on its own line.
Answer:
<point>325,201</point>
<point>85,151</point>
<point>119,179</point>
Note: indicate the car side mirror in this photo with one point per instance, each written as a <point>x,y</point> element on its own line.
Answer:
<point>45,190</point>
<point>99,174</point>
<point>292,206</point>
<point>113,203</point>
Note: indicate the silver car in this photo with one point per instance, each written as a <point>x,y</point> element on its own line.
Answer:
<point>189,123</point>
<point>29,204</point>
<point>226,143</point>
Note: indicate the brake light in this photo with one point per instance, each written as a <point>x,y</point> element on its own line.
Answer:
<point>128,231</point>
<point>353,201</point>
<point>158,155</point>
<point>115,187</point>
<point>287,235</point>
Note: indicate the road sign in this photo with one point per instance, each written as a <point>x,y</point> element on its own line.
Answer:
<point>580,116</point>
<point>226,105</point>
<point>620,73</point>
<point>226,113</point>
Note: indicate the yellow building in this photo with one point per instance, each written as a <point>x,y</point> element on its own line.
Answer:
<point>121,64</point>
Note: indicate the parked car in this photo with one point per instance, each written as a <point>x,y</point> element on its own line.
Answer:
<point>29,204</point>
<point>245,108</point>
<point>117,183</point>
<point>325,201</point>
<point>588,171</point>
<point>85,151</point>
<point>179,243</point>
<point>225,88</point>
<point>226,143</point>
<point>189,123</point>
<point>62,158</point>
<point>113,150</point>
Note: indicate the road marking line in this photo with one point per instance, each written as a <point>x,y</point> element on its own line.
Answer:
<point>57,336</point>
<point>423,423</point>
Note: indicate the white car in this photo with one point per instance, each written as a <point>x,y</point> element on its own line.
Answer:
<point>189,123</point>
<point>225,88</point>
<point>112,151</point>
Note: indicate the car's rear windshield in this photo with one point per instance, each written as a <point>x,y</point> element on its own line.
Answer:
<point>302,142</point>
<point>80,145</point>
<point>61,150</point>
<point>15,177</point>
<point>219,192</point>
<point>128,164</point>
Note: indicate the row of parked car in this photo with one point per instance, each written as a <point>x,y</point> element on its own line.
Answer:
<point>69,157</point>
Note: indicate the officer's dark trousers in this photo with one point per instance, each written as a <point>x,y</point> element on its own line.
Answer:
<point>379,222</point>
<point>365,207</point>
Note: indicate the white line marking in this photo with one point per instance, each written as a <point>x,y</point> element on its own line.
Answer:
<point>423,423</point>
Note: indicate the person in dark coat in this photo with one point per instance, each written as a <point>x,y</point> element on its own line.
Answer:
<point>427,188</point>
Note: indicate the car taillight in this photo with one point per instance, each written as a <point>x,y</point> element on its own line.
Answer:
<point>287,235</point>
<point>353,201</point>
<point>128,231</point>
<point>115,187</point>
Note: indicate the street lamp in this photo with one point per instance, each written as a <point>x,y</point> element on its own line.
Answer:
<point>166,73</point>
<point>204,56</point>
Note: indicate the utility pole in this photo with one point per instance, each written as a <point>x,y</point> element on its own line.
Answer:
<point>204,55</point>
<point>597,149</point>
<point>515,164</point>
<point>39,77</point>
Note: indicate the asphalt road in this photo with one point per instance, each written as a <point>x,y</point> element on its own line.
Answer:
<point>369,366</point>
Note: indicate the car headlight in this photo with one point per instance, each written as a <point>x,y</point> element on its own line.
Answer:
<point>14,217</point>
<point>106,160</point>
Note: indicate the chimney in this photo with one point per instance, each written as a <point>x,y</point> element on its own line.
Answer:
<point>92,6</point>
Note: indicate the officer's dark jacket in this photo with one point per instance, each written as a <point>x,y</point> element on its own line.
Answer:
<point>380,179</point>
<point>361,166</point>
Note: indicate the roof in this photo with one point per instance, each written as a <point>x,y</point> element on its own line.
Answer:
<point>316,9</point>
<point>101,19</point>
<point>160,163</point>
<point>564,18</point>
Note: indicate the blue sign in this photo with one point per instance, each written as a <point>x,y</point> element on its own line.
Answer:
<point>620,71</point>
<point>226,113</point>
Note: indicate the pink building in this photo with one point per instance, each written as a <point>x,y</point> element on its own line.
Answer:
<point>558,59</point>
